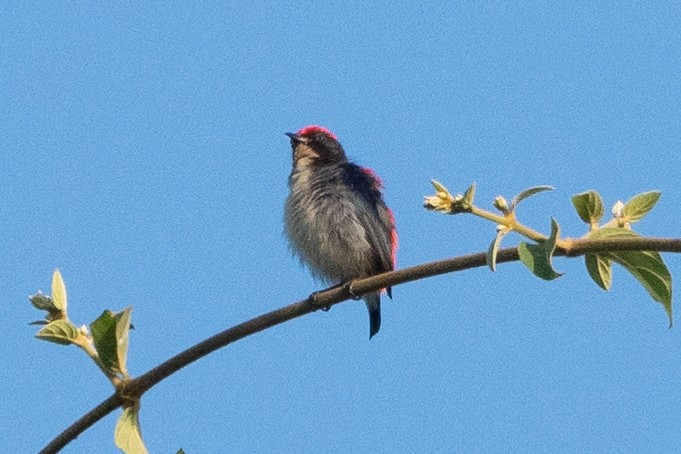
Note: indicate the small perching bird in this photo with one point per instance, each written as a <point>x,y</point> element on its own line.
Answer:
<point>336,219</point>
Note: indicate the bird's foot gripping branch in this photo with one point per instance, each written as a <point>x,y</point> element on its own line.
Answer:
<point>614,241</point>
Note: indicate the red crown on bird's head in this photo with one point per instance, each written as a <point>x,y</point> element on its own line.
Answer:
<point>311,129</point>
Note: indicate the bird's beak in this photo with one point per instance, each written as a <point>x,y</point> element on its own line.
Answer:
<point>295,138</point>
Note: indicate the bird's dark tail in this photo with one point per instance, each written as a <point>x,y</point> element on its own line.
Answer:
<point>373,301</point>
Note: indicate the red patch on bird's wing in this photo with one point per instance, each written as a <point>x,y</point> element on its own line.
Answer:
<point>378,183</point>
<point>393,247</point>
<point>314,128</point>
<point>393,238</point>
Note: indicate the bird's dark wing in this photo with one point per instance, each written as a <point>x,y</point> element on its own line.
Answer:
<point>376,218</point>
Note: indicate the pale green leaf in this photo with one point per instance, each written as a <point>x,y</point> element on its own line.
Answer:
<point>127,435</point>
<point>439,187</point>
<point>650,270</point>
<point>59,292</point>
<point>534,258</point>
<point>494,249</point>
<point>600,270</point>
<point>589,206</point>
<point>469,195</point>
<point>527,193</point>
<point>646,266</point>
<point>61,332</point>
<point>639,205</point>
<point>538,257</point>
<point>612,232</point>
<point>122,337</point>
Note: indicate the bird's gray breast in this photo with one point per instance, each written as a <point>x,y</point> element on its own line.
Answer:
<point>323,226</point>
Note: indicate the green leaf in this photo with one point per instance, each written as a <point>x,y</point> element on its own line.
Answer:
<point>42,302</point>
<point>600,270</point>
<point>494,249</point>
<point>650,270</point>
<point>122,335</point>
<point>103,332</point>
<point>59,292</point>
<point>612,232</point>
<point>639,205</point>
<point>469,195</point>
<point>527,193</point>
<point>110,336</point>
<point>589,206</point>
<point>127,435</point>
<point>538,257</point>
<point>45,303</point>
<point>646,266</point>
<point>61,332</point>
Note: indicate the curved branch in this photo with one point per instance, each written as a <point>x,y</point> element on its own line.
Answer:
<point>82,424</point>
<point>138,386</point>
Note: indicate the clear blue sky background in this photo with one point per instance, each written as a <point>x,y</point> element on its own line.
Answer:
<point>142,152</point>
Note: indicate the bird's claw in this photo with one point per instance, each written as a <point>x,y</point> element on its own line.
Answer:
<point>351,291</point>
<point>312,300</point>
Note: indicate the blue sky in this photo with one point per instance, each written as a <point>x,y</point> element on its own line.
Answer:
<point>143,153</point>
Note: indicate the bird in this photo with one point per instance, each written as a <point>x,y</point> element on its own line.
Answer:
<point>336,220</point>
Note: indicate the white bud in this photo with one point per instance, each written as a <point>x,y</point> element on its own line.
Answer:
<point>501,204</point>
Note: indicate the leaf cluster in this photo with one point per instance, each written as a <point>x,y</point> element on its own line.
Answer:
<point>646,266</point>
<point>106,343</point>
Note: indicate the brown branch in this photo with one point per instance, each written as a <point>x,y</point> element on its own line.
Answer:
<point>583,246</point>
<point>138,386</point>
<point>82,424</point>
